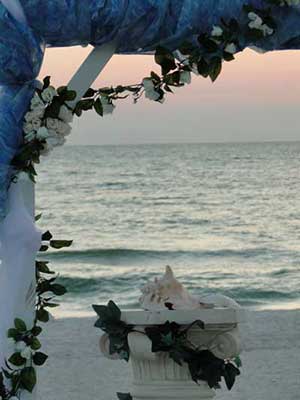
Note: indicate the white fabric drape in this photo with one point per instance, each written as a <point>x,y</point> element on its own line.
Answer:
<point>19,243</point>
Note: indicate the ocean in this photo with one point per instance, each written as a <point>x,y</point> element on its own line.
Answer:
<point>225,217</point>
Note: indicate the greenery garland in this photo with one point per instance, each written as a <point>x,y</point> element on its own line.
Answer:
<point>47,123</point>
<point>19,373</point>
<point>170,338</point>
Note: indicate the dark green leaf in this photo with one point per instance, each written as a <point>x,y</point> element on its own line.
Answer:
<point>12,333</point>
<point>17,360</point>
<point>47,236</point>
<point>215,68</point>
<point>165,59</point>
<point>28,378</point>
<point>124,396</point>
<point>39,358</point>
<point>58,290</point>
<point>46,81</point>
<point>20,325</point>
<point>42,315</point>
<point>59,244</point>
<point>36,330</point>
<point>35,344</point>
<point>98,107</point>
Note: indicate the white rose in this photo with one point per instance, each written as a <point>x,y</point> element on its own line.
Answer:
<point>148,84</point>
<point>20,346</point>
<point>29,136</point>
<point>65,114</point>
<point>185,77</point>
<point>27,127</point>
<point>42,133</point>
<point>36,102</point>
<point>63,128</point>
<point>27,353</point>
<point>231,48</point>
<point>152,95</point>
<point>52,123</point>
<point>36,123</point>
<point>48,94</point>
<point>217,31</point>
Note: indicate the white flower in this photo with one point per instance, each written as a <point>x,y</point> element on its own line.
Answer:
<point>20,346</point>
<point>36,102</point>
<point>266,30</point>
<point>29,136</point>
<point>217,31</point>
<point>48,94</point>
<point>52,123</point>
<point>185,77</point>
<point>65,114</point>
<point>152,95</point>
<point>42,133</point>
<point>148,84</point>
<point>27,127</point>
<point>231,48</point>
<point>27,353</point>
<point>107,106</point>
<point>63,128</point>
<point>38,112</point>
<point>36,123</point>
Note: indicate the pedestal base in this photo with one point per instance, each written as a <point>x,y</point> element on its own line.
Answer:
<point>179,390</point>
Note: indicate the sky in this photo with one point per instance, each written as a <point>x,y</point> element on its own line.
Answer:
<point>257,98</point>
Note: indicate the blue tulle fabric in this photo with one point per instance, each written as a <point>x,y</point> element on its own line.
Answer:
<point>137,26</point>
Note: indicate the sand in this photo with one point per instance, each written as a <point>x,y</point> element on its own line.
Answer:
<point>76,369</point>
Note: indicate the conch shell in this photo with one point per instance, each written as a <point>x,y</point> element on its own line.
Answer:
<point>167,293</point>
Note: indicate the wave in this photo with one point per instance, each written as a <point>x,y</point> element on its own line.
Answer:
<point>111,254</point>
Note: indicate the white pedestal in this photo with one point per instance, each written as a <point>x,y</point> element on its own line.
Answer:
<point>155,375</point>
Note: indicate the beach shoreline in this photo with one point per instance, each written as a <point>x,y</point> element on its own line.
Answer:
<point>76,369</point>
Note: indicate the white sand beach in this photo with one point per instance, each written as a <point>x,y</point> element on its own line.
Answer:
<point>76,370</point>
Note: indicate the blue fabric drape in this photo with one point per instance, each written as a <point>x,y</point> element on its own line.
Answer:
<point>137,25</point>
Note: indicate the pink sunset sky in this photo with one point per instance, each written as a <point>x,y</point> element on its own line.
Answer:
<point>256,98</point>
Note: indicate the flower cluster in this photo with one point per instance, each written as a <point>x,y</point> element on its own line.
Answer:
<point>40,123</point>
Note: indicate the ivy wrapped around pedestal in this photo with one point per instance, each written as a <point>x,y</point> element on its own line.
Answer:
<point>170,338</point>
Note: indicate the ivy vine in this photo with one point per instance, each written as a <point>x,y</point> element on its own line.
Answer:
<point>19,373</point>
<point>170,338</point>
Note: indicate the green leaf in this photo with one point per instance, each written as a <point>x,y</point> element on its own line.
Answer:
<point>42,266</point>
<point>20,325</point>
<point>165,59</point>
<point>215,68</point>
<point>238,362</point>
<point>17,360</point>
<point>46,81</point>
<point>124,396</point>
<point>42,315</point>
<point>43,248</point>
<point>12,333</point>
<point>203,68</point>
<point>39,358</point>
<point>89,93</point>
<point>38,217</point>
<point>115,311</point>
<point>58,290</point>
<point>35,344</point>
<point>36,330</point>
<point>70,95</point>
<point>59,244</point>
<point>47,236</point>
<point>98,107</point>
<point>28,378</point>
<point>155,77</point>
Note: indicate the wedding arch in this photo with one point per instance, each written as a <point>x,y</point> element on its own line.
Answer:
<point>186,36</point>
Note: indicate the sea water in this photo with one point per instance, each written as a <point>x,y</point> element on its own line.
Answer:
<point>226,217</point>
